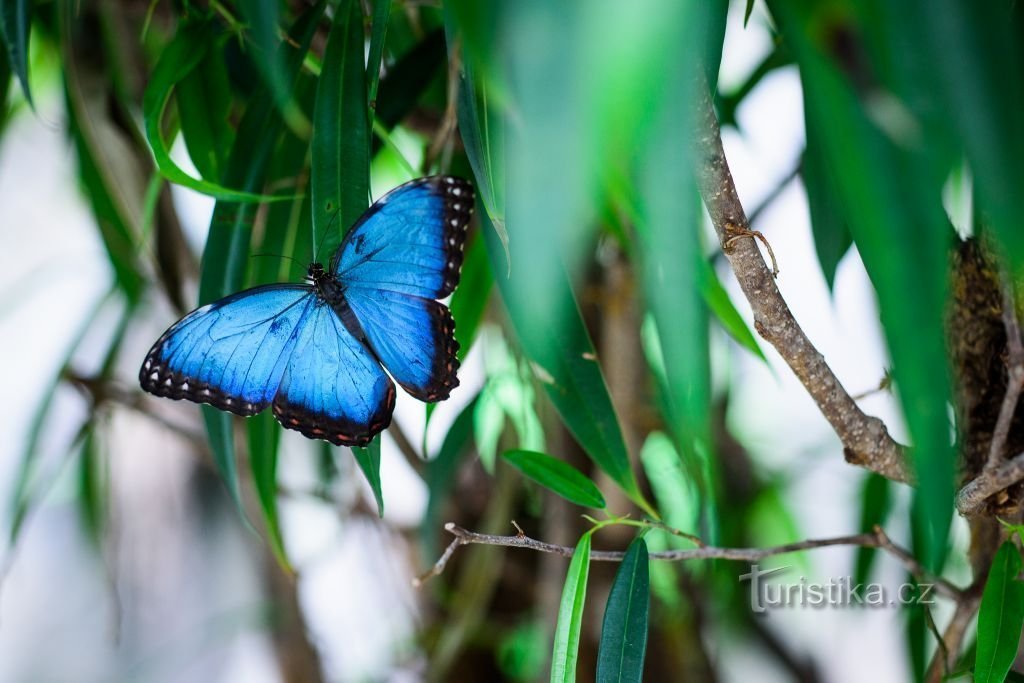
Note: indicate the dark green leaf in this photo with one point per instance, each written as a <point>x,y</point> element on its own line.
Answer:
<point>378,33</point>
<point>226,254</point>
<point>405,82</point>
<point>570,615</point>
<point>875,501</point>
<point>557,476</point>
<point>264,438</point>
<point>341,142</point>
<point>831,235</point>
<point>441,473</point>
<point>620,656</point>
<point>747,12</point>
<point>92,486</point>
<point>263,19</point>
<point>178,60</point>
<point>204,104</point>
<point>368,460</point>
<point>1000,617</point>
<point>890,192</point>
<point>470,299</point>
<point>15,29</point>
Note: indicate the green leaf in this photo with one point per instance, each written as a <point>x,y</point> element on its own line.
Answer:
<point>407,79</point>
<point>341,132</point>
<point>263,19</point>
<point>570,615</point>
<point>557,476</point>
<point>890,188</point>
<point>227,245</point>
<point>92,486</point>
<point>747,12</point>
<point>441,473</point>
<point>1000,617</point>
<point>717,299</point>
<point>368,459</point>
<point>620,656</point>
<point>470,299</point>
<point>15,29</point>
<point>178,60</point>
<point>831,234</point>
<point>876,502</point>
<point>378,33</point>
<point>203,97</point>
<point>264,438</point>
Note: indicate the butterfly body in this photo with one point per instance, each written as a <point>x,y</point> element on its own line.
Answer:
<point>317,352</point>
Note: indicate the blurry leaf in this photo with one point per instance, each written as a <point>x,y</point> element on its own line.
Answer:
<point>831,234</point>
<point>620,656</point>
<point>378,32</point>
<point>178,60</point>
<point>227,245</point>
<point>728,102</point>
<point>263,19</point>
<point>1000,617</point>
<point>442,471</point>
<point>341,133</point>
<point>557,476</point>
<point>570,615</point>
<point>408,78</point>
<point>891,198</point>
<point>470,299</point>
<point>264,439</point>
<point>746,12</point>
<point>204,105</point>
<point>717,299</point>
<point>916,639</point>
<point>15,29</point>
<point>92,489</point>
<point>875,501</point>
<point>523,651</point>
<point>677,497</point>
<point>368,459</point>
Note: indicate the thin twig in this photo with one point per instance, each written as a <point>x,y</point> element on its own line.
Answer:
<point>876,539</point>
<point>945,656</point>
<point>865,439</point>
<point>1014,378</point>
<point>972,496</point>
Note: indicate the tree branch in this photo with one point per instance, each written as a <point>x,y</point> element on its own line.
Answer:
<point>876,539</point>
<point>865,439</point>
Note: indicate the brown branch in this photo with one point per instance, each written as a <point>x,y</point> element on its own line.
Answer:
<point>972,497</point>
<point>876,539</point>
<point>865,439</point>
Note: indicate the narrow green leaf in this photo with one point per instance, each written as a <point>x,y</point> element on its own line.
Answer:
<point>203,97</point>
<point>264,439</point>
<point>368,459</point>
<point>557,476</point>
<point>341,132</point>
<point>1000,617</point>
<point>890,190</point>
<point>876,502</point>
<point>620,656</point>
<point>441,473</point>
<point>470,299</point>
<point>263,19</point>
<point>747,12</point>
<point>406,81</point>
<point>92,488</point>
<point>717,299</point>
<point>831,234</point>
<point>378,33</point>
<point>178,60</point>
<point>227,245</point>
<point>15,29</point>
<point>570,615</point>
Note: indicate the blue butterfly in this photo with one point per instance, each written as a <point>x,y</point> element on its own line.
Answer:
<point>315,351</point>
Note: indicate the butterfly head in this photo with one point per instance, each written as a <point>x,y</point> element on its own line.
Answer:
<point>316,273</point>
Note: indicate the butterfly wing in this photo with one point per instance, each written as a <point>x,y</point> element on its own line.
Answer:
<point>405,253</point>
<point>333,388</point>
<point>232,353</point>
<point>411,240</point>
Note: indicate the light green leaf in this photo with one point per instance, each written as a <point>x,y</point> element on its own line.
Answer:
<point>570,615</point>
<point>368,459</point>
<point>557,476</point>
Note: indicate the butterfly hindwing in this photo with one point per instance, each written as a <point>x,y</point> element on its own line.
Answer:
<point>411,240</point>
<point>333,388</point>
<point>231,353</point>
<point>412,337</point>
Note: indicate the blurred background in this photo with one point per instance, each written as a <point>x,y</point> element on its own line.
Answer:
<point>128,558</point>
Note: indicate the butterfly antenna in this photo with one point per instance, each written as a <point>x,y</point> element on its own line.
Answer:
<point>323,238</point>
<point>280,256</point>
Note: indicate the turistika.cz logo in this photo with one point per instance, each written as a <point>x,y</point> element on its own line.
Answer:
<point>837,592</point>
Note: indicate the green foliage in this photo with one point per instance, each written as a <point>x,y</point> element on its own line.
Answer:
<point>1000,617</point>
<point>570,615</point>
<point>620,657</point>
<point>557,476</point>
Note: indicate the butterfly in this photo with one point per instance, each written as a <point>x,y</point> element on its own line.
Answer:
<point>317,352</point>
